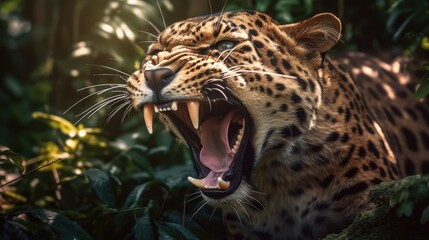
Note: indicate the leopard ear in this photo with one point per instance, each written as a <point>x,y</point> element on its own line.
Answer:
<point>320,32</point>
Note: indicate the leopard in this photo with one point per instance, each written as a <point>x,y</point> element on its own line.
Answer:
<point>285,140</point>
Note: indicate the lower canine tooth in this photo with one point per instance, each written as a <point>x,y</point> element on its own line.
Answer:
<point>199,183</point>
<point>223,184</point>
<point>194,112</point>
<point>148,116</point>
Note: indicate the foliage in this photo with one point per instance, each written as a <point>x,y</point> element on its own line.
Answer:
<point>115,181</point>
<point>88,185</point>
<point>401,210</point>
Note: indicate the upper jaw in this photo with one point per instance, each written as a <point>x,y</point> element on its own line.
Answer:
<point>187,118</point>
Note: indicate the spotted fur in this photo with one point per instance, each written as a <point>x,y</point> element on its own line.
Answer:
<point>325,130</point>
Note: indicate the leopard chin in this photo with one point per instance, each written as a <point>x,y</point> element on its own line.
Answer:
<point>219,134</point>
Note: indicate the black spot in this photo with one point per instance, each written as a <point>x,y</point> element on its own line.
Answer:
<point>267,104</point>
<point>302,83</point>
<point>267,138</point>
<point>280,86</point>
<point>273,61</point>
<point>295,98</point>
<point>301,115</point>
<point>372,165</point>
<point>253,32</point>
<point>347,116</point>
<point>258,44</point>
<point>312,86</point>
<point>305,212</point>
<point>410,169</point>
<point>333,136</point>
<point>259,23</point>
<point>352,190</point>
<point>324,183</point>
<point>375,181</point>
<point>362,152</point>
<point>345,138</point>
<point>389,116</point>
<point>286,64</point>
<point>410,139</point>
<point>246,49</point>
<point>351,172</point>
<point>283,108</point>
<point>425,139</point>
<point>396,111</point>
<point>348,156</point>
<point>373,149</point>
<point>291,131</point>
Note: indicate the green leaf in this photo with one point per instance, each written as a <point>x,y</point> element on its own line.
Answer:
<point>405,209</point>
<point>14,158</point>
<point>66,229</point>
<point>173,231</point>
<point>423,88</point>
<point>425,215</point>
<point>143,228</point>
<point>102,185</point>
<point>57,122</point>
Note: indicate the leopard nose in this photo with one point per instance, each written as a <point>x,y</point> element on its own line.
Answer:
<point>157,79</point>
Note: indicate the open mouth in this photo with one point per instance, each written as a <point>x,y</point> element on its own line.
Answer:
<point>218,134</point>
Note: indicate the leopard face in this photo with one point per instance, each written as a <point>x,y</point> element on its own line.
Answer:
<point>236,88</point>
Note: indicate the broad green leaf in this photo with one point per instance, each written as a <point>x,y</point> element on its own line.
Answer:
<point>14,158</point>
<point>66,229</point>
<point>57,122</point>
<point>173,231</point>
<point>405,209</point>
<point>102,185</point>
<point>143,228</point>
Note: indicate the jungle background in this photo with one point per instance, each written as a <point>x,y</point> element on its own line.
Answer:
<point>89,173</point>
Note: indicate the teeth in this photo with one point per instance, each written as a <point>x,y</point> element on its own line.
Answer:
<point>222,183</point>
<point>174,106</point>
<point>148,116</point>
<point>156,109</point>
<point>193,109</point>
<point>199,183</point>
<point>238,141</point>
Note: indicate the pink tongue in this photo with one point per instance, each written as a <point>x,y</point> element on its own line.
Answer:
<point>216,153</point>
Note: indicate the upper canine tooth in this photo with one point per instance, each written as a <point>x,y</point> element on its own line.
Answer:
<point>174,106</point>
<point>156,109</point>
<point>148,116</point>
<point>194,112</point>
<point>199,183</point>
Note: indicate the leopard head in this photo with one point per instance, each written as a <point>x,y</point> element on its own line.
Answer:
<point>236,88</point>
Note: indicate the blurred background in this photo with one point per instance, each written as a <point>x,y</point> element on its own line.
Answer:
<point>95,173</point>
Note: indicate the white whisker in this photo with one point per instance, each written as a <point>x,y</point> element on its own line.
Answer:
<point>149,33</point>
<point>110,68</point>
<point>162,15</point>
<point>94,93</point>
